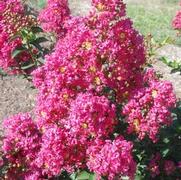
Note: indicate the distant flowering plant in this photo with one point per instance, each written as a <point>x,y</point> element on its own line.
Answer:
<point>99,113</point>
<point>176,23</point>
<point>54,15</point>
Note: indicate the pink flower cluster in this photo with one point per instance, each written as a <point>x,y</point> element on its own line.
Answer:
<point>93,55</point>
<point>91,116</point>
<point>116,7</point>
<point>60,152</point>
<point>11,10</point>
<point>158,165</point>
<point>153,166</point>
<point>112,159</point>
<point>149,108</point>
<point>176,23</point>
<point>54,15</point>
<point>8,63</point>
<point>72,111</point>
<point>11,21</point>
<point>52,155</point>
<point>20,145</point>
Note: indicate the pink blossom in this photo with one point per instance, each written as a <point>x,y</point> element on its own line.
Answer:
<point>14,6</point>
<point>111,158</point>
<point>91,116</point>
<point>179,164</point>
<point>35,175</point>
<point>53,106</point>
<point>9,64</point>
<point>54,15</point>
<point>153,166</point>
<point>58,153</point>
<point>116,7</point>
<point>12,19</point>
<point>169,167</point>
<point>149,109</point>
<point>21,144</point>
<point>176,23</point>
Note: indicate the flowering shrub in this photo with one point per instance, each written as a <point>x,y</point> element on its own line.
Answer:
<point>54,15</point>
<point>18,49</point>
<point>148,108</point>
<point>20,146</point>
<point>91,116</point>
<point>6,61</point>
<point>98,110</point>
<point>105,158</point>
<point>157,166</point>
<point>59,152</point>
<point>177,21</point>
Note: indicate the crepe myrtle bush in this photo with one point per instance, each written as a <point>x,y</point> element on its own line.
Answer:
<point>99,113</point>
<point>20,39</point>
<point>176,23</point>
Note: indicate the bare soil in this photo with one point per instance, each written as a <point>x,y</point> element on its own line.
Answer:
<point>16,95</point>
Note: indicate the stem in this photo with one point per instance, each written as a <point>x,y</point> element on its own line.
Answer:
<point>23,1</point>
<point>31,53</point>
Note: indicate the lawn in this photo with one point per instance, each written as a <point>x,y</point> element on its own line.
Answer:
<point>154,16</point>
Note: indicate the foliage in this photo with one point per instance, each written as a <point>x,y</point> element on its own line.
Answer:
<point>174,64</point>
<point>152,46</point>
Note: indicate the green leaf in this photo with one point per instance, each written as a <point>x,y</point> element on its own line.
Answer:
<point>139,157</point>
<point>41,61</point>
<point>42,3</point>
<point>18,51</point>
<point>165,152</point>
<point>125,178</point>
<point>166,140</point>
<point>138,177</point>
<point>36,29</point>
<point>39,40</point>
<point>92,177</point>
<point>37,46</point>
<point>24,33</point>
<point>27,67</point>
<point>37,43</point>
<point>83,176</point>
<point>73,176</point>
<point>31,37</point>
<point>2,73</point>
<point>27,36</point>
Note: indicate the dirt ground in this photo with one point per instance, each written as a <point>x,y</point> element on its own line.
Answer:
<point>16,94</point>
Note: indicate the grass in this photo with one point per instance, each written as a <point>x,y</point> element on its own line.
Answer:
<point>36,4</point>
<point>154,16</point>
